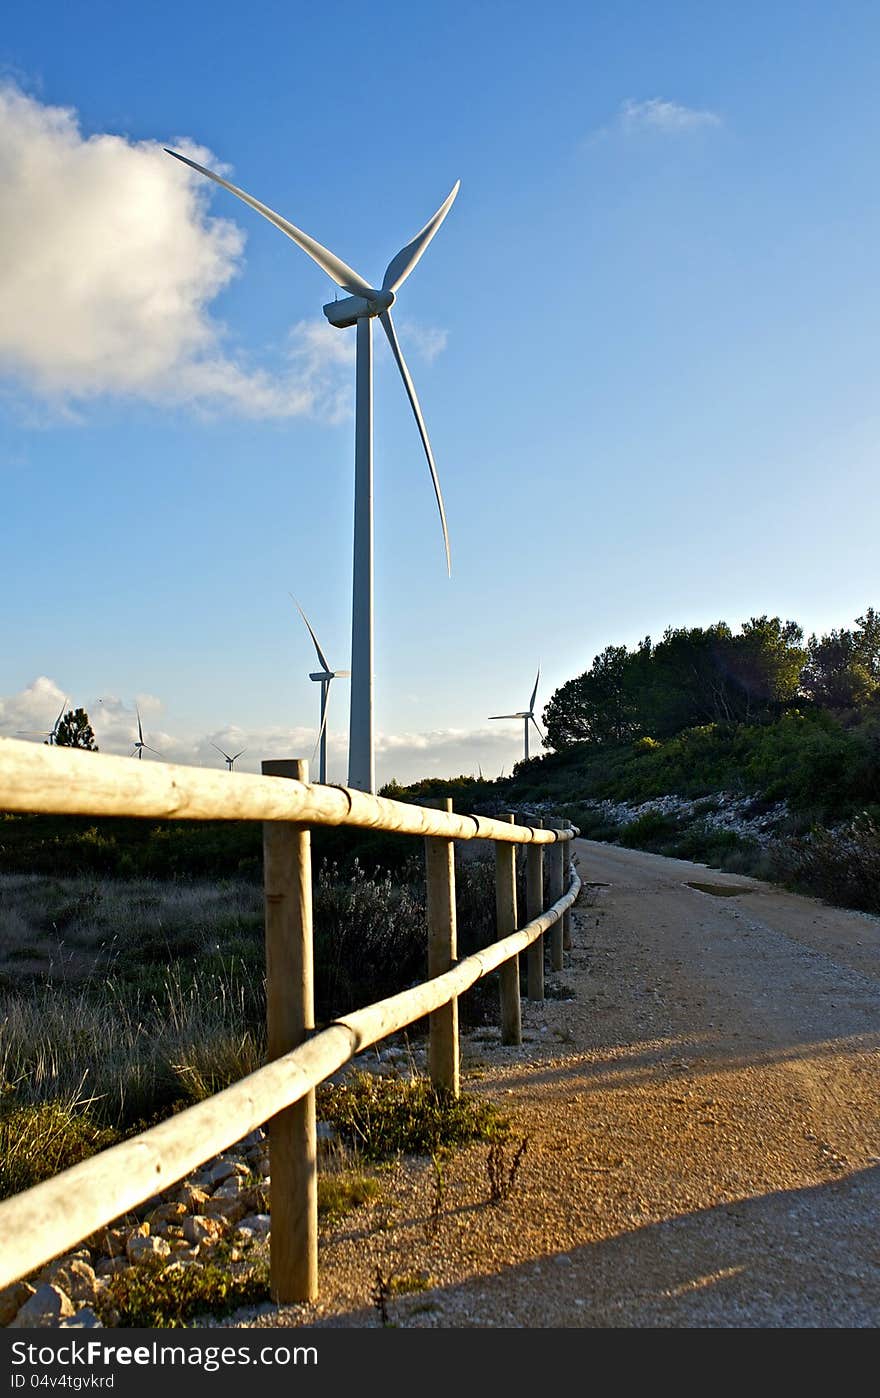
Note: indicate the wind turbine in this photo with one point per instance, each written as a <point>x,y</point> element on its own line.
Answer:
<point>139,745</point>
<point>527,715</point>
<point>324,676</point>
<point>229,760</point>
<point>49,734</point>
<point>363,303</point>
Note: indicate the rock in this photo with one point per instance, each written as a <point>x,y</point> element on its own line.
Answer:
<point>109,1266</point>
<point>230,1188</point>
<point>110,1241</point>
<point>142,1247</point>
<point>182,1251</point>
<point>77,1279</point>
<point>225,1210</point>
<point>254,1226</point>
<point>192,1197</point>
<point>12,1298</point>
<point>201,1230</point>
<point>48,1305</point>
<point>52,1268</point>
<point>253,1141</point>
<point>84,1319</point>
<point>170,1212</point>
<point>220,1170</point>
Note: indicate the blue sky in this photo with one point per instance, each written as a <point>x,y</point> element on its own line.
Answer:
<point>644,340</point>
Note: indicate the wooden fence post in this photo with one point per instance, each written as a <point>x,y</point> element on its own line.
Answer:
<point>555,890</point>
<point>443,1048</point>
<point>567,856</point>
<point>505,923</point>
<point>290,1016</point>
<point>534,908</point>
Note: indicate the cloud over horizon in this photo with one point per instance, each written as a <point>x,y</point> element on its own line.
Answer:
<point>405,757</point>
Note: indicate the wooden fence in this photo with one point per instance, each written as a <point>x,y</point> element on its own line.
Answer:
<point>45,1221</point>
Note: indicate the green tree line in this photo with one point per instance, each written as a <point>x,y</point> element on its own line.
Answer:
<point>708,675</point>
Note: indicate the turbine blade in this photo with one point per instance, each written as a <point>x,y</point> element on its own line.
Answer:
<point>155,750</point>
<point>492,716</point>
<point>336,269</point>
<point>220,750</point>
<point>535,722</point>
<point>140,730</point>
<point>535,690</point>
<point>321,656</point>
<point>399,267</point>
<point>388,326</point>
<point>239,754</point>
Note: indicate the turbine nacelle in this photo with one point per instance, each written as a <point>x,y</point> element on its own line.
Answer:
<point>351,309</point>
<point>329,675</point>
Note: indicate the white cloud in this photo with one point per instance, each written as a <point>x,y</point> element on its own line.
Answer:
<point>657,115</point>
<point>405,756</point>
<point>427,340</point>
<point>34,709</point>
<point>109,263</point>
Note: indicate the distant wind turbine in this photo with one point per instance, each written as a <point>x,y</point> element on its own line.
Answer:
<point>48,734</point>
<point>138,745</point>
<point>527,715</point>
<point>324,676</point>
<point>363,303</point>
<point>229,760</point>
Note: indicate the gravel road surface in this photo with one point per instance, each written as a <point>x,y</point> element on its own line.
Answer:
<point>699,1097</point>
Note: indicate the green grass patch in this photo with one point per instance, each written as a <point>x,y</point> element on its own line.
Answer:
<point>339,1193</point>
<point>383,1117</point>
<point>38,1141</point>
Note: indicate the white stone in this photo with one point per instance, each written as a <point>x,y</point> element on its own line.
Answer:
<point>48,1305</point>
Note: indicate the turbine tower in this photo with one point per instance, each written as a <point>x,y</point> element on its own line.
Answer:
<point>363,303</point>
<point>324,677</point>
<point>528,715</point>
<point>138,744</point>
<point>49,734</point>
<point>230,761</point>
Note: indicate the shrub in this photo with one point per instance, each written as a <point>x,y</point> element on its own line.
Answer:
<point>842,866</point>
<point>382,1117</point>
<point>649,830</point>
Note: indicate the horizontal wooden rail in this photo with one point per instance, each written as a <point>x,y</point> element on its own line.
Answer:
<point>64,781</point>
<point>50,1218</point>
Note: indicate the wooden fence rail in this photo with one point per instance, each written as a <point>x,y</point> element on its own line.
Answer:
<point>45,1221</point>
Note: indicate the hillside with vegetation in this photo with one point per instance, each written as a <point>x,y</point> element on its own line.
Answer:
<point>755,750</point>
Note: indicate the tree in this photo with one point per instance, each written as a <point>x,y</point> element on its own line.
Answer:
<point>764,664</point>
<point>600,706</point>
<point>75,731</point>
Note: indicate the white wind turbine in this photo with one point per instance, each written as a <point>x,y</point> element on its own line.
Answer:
<point>230,761</point>
<point>49,734</point>
<point>138,744</point>
<point>363,303</point>
<point>527,716</point>
<point>324,676</point>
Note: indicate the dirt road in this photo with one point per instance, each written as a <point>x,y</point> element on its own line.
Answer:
<point>699,1093</point>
